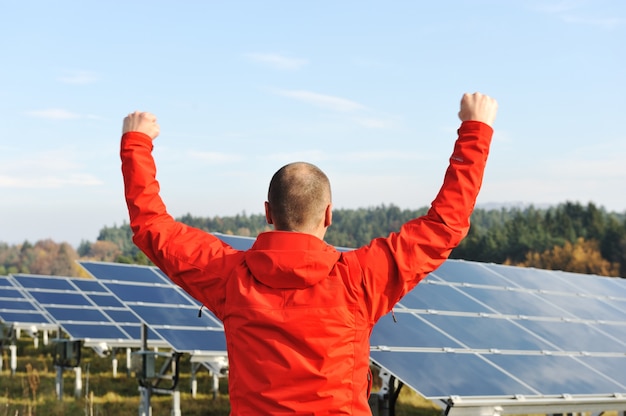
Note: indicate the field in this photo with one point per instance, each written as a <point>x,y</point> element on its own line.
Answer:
<point>31,390</point>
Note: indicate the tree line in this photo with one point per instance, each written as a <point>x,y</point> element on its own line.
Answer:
<point>570,237</point>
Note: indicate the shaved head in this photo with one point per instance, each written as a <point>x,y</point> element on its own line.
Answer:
<point>298,196</point>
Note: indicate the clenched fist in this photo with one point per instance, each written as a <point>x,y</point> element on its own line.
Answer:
<point>141,122</point>
<point>478,107</point>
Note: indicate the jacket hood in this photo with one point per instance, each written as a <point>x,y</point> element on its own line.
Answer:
<point>290,260</point>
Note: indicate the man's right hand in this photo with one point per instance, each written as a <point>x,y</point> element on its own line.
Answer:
<point>478,107</point>
<point>141,122</point>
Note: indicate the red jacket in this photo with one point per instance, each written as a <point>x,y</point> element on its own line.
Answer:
<point>297,313</point>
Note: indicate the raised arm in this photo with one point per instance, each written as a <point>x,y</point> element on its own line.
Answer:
<point>192,258</point>
<point>392,266</point>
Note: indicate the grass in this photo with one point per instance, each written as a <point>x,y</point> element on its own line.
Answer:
<point>31,390</point>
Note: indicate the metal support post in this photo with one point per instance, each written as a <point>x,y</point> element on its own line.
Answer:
<point>59,383</point>
<point>176,403</point>
<point>194,379</point>
<point>128,361</point>
<point>144,402</point>
<point>13,349</point>
<point>78,383</point>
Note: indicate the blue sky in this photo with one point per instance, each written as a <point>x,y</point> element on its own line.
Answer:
<point>367,90</point>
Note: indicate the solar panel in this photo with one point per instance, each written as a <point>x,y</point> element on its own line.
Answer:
<point>17,310</point>
<point>480,330</point>
<point>163,307</point>
<point>84,309</point>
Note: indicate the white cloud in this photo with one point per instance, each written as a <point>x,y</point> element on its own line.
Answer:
<point>328,102</point>
<point>48,181</point>
<point>44,170</point>
<point>79,78</point>
<point>277,61</point>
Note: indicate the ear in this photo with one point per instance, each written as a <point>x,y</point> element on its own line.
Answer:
<point>328,215</point>
<point>268,213</point>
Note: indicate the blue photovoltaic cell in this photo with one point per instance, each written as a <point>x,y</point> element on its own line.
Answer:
<point>481,332</point>
<point>584,307</point>
<point>105,301</point>
<point>164,315</point>
<point>412,332</point>
<point>43,282</point>
<point>468,272</point>
<point>134,331</point>
<point>76,314</point>
<point>509,302</point>
<point>148,294</point>
<point>89,285</point>
<point>16,305</point>
<point>123,316</point>
<point>530,278</point>
<point>185,340</point>
<point>599,286</point>
<point>24,317</point>
<point>128,273</point>
<point>615,330</point>
<point>440,375</point>
<point>56,298</point>
<point>613,367</point>
<point>439,297</point>
<point>9,293</point>
<point>100,331</point>
<point>574,336</point>
<point>556,374</point>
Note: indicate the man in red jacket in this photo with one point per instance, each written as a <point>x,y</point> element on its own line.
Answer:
<point>297,313</point>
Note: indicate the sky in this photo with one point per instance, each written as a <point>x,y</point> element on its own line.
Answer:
<point>367,90</point>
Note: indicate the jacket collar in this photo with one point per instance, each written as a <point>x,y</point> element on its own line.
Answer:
<point>290,260</point>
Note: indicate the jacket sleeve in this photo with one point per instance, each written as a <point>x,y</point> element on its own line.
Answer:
<point>192,258</point>
<point>392,266</point>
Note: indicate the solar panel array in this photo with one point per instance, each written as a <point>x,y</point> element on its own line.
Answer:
<point>165,308</point>
<point>17,309</point>
<point>468,330</point>
<point>474,329</point>
<point>84,309</point>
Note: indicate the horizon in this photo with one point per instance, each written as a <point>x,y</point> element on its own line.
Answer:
<point>369,92</point>
<point>489,206</point>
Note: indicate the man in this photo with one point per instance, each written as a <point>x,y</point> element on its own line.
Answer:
<point>297,313</point>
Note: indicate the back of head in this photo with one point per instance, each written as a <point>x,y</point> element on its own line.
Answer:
<point>298,196</point>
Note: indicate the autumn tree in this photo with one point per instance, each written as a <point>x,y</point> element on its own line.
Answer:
<point>581,257</point>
